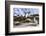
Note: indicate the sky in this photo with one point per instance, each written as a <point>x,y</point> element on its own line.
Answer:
<point>20,11</point>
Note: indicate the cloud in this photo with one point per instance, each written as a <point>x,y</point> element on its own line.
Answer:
<point>20,11</point>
